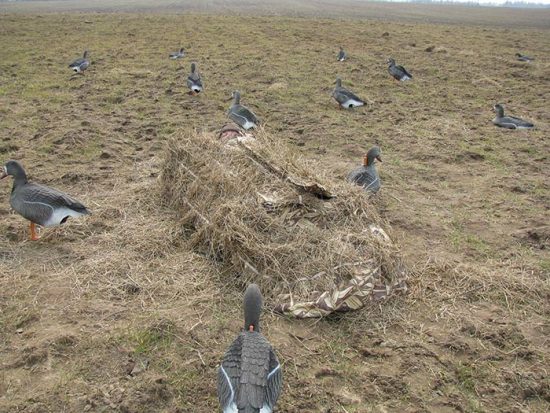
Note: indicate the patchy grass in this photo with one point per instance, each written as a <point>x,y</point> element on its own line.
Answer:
<point>77,306</point>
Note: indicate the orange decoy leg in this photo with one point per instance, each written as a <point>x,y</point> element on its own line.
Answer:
<point>34,237</point>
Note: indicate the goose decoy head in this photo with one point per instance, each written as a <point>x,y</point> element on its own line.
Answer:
<point>391,61</point>
<point>181,50</point>
<point>13,168</point>
<point>236,96</point>
<point>193,66</point>
<point>85,55</point>
<point>499,109</point>
<point>371,155</point>
<point>252,308</point>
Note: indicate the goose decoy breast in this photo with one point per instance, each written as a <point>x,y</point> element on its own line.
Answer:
<point>366,175</point>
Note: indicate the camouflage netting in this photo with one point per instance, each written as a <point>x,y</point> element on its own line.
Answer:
<point>263,214</point>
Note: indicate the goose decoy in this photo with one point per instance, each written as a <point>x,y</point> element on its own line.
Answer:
<point>509,122</point>
<point>341,55</point>
<point>240,114</point>
<point>80,64</point>
<point>366,175</point>
<point>523,58</point>
<point>398,72</point>
<point>194,81</point>
<point>177,55</point>
<point>39,204</point>
<point>344,97</point>
<point>250,377</point>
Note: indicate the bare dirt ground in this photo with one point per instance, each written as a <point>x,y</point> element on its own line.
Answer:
<point>114,313</point>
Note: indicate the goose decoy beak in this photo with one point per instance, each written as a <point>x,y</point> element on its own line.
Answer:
<point>379,157</point>
<point>3,172</point>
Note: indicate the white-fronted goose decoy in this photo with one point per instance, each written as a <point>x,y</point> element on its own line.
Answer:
<point>80,64</point>
<point>341,55</point>
<point>177,55</point>
<point>509,122</point>
<point>240,114</point>
<point>194,81</point>
<point>366,175</point>
<point>39,204</point>
<point>524,58</point>
<point>250,377</point>
<point>344,97</point>
<point>398,72</point>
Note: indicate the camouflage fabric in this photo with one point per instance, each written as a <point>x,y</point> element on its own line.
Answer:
<point>367,285</point>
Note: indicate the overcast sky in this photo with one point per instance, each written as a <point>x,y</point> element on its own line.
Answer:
<point>498,1</point>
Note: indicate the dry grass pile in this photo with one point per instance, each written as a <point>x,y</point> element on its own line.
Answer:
<point>245,209</point>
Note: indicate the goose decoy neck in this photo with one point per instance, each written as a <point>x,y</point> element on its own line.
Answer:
<point>499,109</point>
<point>236,97</point>
<point>371,155</point>
<point>338,82</point>
<point>252,308</point>
<point>85,55</point>
<point>181,50</point>
<point>193,67</point>
<point>15,169</point>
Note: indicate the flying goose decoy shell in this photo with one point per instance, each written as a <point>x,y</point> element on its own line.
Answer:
<point>80,64</point>
<point>194,81</point>
<point>250,377</point>
<point>398,72</point>
<point>345,98</point>
<point>39,204</point>
<point>366,175</point>
<point>240,114</point>
<point>509,122</point>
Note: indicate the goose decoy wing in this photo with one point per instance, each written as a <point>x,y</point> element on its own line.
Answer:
<point>366,177</point>
<point>274,380</point>
<point>242,116</point>
<point>343,95</point>
<point>512,122</point>
<point>77,62</point>
<point>228,376</point>
<point>45,206</point>
<point>405,72</point>
<point>249,378</point>
<point>194,79</point>
<point>346,98</point>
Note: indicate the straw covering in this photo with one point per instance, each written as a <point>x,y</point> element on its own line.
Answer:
<point>264,215</point>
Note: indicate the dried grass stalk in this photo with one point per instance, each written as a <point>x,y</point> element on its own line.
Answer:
<point>264,214</point>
